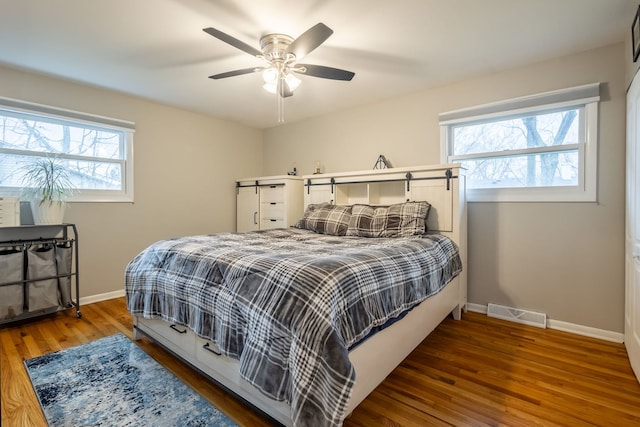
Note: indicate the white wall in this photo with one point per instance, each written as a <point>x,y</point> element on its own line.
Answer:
<point>185,170</point>
<point>630,67</point>
<point>564,259</point>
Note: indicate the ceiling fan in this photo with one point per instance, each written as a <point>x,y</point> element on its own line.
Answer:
<point>281,53</point>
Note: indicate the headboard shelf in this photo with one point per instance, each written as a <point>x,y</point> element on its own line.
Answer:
<point>438,185</point>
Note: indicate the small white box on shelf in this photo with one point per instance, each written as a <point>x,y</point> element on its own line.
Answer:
<point>9,211</point>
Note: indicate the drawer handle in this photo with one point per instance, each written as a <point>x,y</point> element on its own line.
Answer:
<point>273,220</point>
<point>211,350</point>
<point>175,328</point>
<point>273,203</point>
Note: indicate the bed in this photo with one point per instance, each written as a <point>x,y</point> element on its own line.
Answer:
<point>304,322</point>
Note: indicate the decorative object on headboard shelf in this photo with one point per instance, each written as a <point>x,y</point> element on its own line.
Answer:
<point>635,36</point>
<point>382,163</point>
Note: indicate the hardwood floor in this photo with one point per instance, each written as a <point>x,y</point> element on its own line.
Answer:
<point>477,371</point>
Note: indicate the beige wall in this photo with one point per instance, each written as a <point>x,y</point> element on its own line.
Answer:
<point>564,259</point>
<point>185,170</point>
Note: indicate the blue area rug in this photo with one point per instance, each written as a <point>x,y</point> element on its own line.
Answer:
<point>112,382</point>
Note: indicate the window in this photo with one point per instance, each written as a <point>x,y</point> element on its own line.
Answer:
<point>537,148</point>
<point>97,151</point>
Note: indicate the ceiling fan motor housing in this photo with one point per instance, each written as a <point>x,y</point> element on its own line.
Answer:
<point>274,47</point>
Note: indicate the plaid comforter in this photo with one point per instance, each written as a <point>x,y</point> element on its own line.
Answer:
<point>288,303</point>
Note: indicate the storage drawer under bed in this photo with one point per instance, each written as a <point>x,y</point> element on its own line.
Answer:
<point>184,342</point>
<point>177,338</point>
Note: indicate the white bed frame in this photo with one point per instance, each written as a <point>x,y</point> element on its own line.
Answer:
<point>443,186</point>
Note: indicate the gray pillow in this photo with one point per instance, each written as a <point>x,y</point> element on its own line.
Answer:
<point>326,218</point>
<point>398,220</point>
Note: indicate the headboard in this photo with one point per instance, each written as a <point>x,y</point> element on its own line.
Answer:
<point>443,186</point>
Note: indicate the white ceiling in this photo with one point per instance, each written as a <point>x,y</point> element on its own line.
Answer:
<point>157,49</point>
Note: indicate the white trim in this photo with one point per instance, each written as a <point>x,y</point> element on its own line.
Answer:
<point>101,297</point>
<point>477,308</point>
<point>65,114</point>
<point>577,95</point>
<point>444,141</point>
<point>584,191</point>
<point>113,196</point>
<point>516,152</point>
<point>17,108</point>
<point>590,171</point>
<point>559,325</point>
<point>586,331</point>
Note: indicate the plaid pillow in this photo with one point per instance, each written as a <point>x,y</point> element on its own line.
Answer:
<point>326,219</point>
<point>399,220</point>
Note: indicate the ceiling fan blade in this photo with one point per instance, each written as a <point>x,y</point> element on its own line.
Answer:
<point>232,41</point>
<point>234,73</point>
<point>309,40</point>
<point>325,72</point>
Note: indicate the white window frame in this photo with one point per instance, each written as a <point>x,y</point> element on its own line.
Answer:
<point>69,116</point>
<point>584,97</point>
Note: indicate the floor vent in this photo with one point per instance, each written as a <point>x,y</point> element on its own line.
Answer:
<point>517,315</point>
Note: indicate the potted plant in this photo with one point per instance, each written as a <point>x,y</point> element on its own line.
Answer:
<point>47,186</point>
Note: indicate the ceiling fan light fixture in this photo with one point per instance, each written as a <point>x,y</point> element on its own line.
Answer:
<point>292,81</point>
<point>270,77</point>
<point>271,87</point>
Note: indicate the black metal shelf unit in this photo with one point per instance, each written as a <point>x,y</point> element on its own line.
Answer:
<point>38,268</point>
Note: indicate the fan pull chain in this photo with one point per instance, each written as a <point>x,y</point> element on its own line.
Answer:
<point>280,98</point>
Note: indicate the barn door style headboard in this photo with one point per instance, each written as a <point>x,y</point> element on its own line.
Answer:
<point>443,186</point>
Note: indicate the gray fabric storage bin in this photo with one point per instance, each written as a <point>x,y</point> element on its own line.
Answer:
<point>64,253</point>
<point>11,296</point>
<point>41,262</point>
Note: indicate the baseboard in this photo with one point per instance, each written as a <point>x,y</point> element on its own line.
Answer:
<point>573,328</point>
<point>101,297</point>
<point>559,325</point>
<point>587,331</point>
<point>477,308</point>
